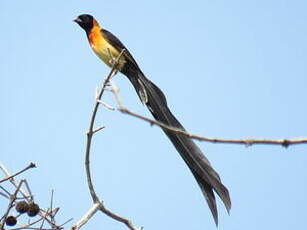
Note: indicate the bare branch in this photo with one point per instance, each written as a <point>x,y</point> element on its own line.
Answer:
<point>27,195</point>
<point>86,217</point>
<point>12,199</point>
<point>98,129</point>
<point>116,93</point>
<point>6,193</point>
<point>91,132</point>
<point>67,221</point>
<point>127,222</point>
<point>31,165</point>
<point>247,142</point>
<point>98,205</point>
<point>24,226</point>
<point>106,105</point>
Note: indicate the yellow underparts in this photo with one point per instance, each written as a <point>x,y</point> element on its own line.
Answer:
<point>104,50</point>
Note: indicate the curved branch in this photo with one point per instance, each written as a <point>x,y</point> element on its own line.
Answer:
<point>98,205</point>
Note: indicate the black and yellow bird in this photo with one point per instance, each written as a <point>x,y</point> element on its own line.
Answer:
<point>107,47</point>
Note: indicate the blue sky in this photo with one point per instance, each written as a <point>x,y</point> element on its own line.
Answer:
<point>230,69</point>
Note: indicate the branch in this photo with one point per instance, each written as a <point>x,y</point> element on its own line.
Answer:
<point>114,216</point>
<point>31,165</point>
<point>91,131</point>
<point>26,194</point>
<point>22,187</point>
<point>12,199</point>
<point>247,142</point>
<point>98,205</point>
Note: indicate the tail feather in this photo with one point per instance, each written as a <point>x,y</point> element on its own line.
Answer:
<point>209,195</point>
<point>207,178</point>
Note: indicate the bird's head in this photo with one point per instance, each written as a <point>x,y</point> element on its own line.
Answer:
<point>86,21</point>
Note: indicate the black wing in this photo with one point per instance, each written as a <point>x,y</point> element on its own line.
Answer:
<point>115,42</point>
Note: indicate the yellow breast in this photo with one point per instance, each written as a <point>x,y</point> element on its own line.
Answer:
<point>105,51</point>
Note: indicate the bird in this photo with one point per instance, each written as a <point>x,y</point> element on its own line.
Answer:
<point>107,47</point>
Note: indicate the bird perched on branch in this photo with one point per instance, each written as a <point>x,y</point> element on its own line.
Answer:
<point>108,47</point>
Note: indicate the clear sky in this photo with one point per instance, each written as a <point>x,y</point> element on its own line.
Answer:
<point>230,69</point>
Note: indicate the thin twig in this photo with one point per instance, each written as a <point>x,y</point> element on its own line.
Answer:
<point>116,93</point>
<point>67,221</point>
<point>3,194</point>
<point>106,105</point>
<point>127,222</point>
<point>98,129</point>
<point>44,218</point>
<point>51,206</point>
<point>12,199</point>
<point>29,189</point>
<point>31,165</point>
<point>29,224</point>
<point>28,196</point>
<point>247,142</point>
<point>7,195</point>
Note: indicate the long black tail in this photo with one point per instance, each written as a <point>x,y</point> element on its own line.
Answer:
<point>205,175</point>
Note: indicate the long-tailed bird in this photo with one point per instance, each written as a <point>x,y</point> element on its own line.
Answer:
<point>107,47</point>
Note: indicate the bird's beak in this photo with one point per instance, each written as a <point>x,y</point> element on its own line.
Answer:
<point>77,20</point>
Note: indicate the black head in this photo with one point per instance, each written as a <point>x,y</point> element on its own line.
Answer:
<point>86,21</point>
